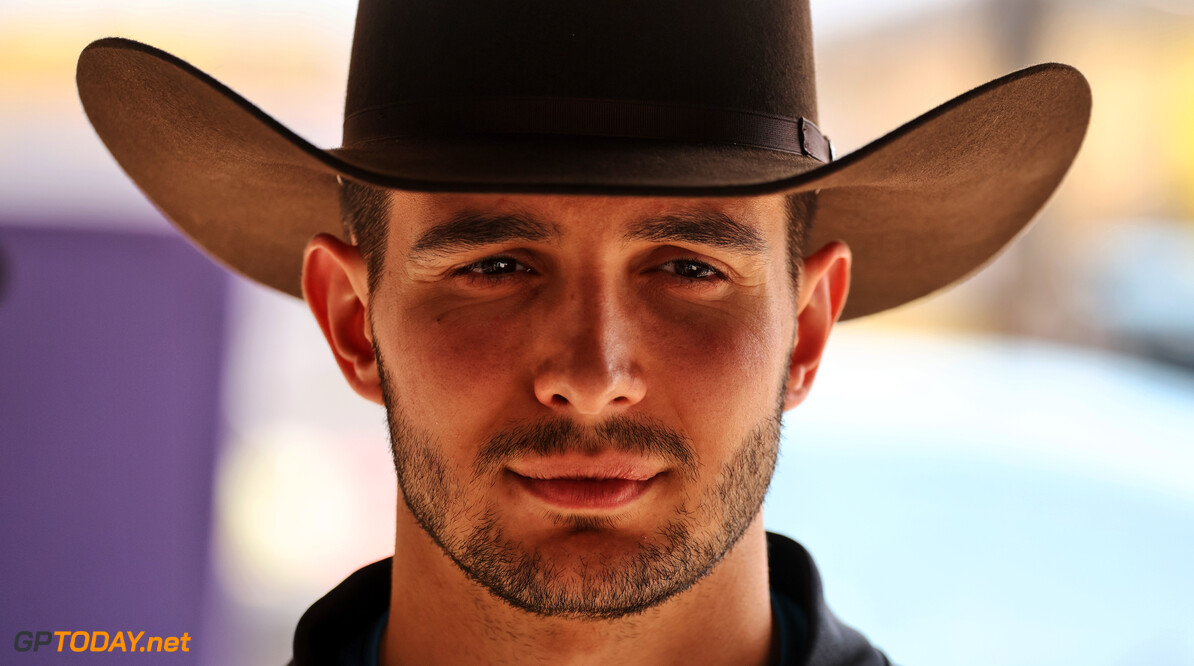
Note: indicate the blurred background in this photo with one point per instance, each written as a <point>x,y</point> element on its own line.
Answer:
<point>1000,474</point>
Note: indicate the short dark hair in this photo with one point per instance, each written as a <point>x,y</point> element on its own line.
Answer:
<point>802,210</point>
<point>365,211</point>
<point>365,214</point>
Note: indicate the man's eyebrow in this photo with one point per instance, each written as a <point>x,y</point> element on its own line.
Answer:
<point>711,228</point>
<point>471,229</point>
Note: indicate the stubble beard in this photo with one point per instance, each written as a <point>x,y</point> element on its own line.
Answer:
<point>680,553</point>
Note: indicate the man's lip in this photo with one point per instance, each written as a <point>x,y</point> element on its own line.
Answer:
<point>573,481</point>
<point>606,466</point>
<point>585,492</point>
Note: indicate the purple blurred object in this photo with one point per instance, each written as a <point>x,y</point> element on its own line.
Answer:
<point>109,423</point>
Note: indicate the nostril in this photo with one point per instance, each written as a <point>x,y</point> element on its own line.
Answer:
<point>558,400</point>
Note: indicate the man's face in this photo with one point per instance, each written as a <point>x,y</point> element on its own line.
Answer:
<point>584,394</point>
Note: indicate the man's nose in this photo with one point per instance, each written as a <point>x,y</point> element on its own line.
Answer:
<point>590,366</point>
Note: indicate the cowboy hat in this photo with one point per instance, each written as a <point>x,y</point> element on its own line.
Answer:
<point>685,98</point>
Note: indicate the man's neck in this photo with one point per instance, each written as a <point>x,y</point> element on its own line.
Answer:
<point>439,616</point>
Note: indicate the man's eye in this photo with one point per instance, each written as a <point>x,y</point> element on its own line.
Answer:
<point>493,267</point>
<point>692,269</point>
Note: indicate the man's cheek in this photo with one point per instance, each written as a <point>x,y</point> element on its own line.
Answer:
<point>724,368</point>
<point>459,355</point>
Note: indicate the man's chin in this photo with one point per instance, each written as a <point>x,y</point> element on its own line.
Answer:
<point>583,591</point>
<point>586,570</point>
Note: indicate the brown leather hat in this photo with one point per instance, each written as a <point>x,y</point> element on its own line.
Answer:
<point>687,98</point>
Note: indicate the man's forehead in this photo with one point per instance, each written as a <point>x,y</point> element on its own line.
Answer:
<point>413,214</point>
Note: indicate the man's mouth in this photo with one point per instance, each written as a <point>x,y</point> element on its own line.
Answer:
<point>583,482</point>
<point>585,493</point>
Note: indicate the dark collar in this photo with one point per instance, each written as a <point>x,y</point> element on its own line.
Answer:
<point>831,643</point>
<point>342,616</point>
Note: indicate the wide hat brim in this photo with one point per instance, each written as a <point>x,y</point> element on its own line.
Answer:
<point>921,208</point>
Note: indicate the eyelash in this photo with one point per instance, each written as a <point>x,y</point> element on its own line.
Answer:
<point>711,273</point>
<point>475,270</point>
<point>470,271</point>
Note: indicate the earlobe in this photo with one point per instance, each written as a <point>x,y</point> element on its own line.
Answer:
<point>335,287</point>
<point>825,283</point>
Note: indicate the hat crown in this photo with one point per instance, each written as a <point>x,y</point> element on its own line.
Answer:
<point>752,56</point>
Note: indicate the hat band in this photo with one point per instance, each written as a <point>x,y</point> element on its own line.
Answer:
<point>586,117</point>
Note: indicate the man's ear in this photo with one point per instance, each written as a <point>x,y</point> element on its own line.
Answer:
<point>336,288</point>
<point>824,284</point>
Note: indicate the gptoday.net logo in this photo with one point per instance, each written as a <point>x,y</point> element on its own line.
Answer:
<point>99,641</point>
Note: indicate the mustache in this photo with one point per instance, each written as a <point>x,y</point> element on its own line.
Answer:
<point>549,437</point>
